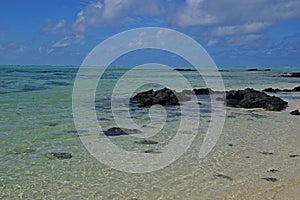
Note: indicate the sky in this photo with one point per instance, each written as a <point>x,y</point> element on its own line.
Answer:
<point>233,32</point>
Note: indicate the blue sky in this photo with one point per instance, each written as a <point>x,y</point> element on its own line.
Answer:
<point>234,32</point>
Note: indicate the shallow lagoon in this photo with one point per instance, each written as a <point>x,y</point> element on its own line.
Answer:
<point>36,118</point>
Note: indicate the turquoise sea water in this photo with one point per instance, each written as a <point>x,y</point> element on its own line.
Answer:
<point>36,119</point>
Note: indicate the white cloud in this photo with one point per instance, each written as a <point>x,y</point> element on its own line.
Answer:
<point>58,28</point>
<point>244,40</point>
<point>212,42</point>
<point>232,12</point>
<point>240,29</point>
<point>220,18</point>
<point>90,16</point>
<point>67,41</point>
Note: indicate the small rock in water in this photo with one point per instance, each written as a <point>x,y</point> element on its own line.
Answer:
<point>52,123</point>
<point>293,155</point>
<point>270,179</point>
<point>59,155</point>
<point>184,69</point>
<point>230,144</point>
<point>223,176</point>
<point>273,170</point>
<point>266,153</point>
<point>116,131</point>
<point>295,112</point>
<point>252,70</point>
<point>146,142</point>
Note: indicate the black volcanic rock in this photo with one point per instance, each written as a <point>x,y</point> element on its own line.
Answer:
<point>252,70</point>
<point>184,70</point>
<point>59,155</point>
<point>271,90</point>
<point>295,112</point>
<point>296,89</point>
<point>116,131</point>
<point>163,97</point>
<point>250,98</point>
<point>203,91</point>
<point>292,75</point>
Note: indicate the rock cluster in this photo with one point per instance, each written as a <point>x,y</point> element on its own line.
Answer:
<point>250,98</point>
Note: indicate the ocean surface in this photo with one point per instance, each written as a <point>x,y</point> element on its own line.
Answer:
<point>36,119</point>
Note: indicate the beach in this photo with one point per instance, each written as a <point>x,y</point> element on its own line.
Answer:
<point>257,155</point>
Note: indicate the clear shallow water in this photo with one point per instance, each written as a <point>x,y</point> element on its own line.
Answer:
<point>36,118</point>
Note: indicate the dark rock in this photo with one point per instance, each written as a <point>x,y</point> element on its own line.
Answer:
<point>293,155</point>
<point>295,112</point>
<point>184,70</point>
<point>223,70</point>
<point>296,74</point>
<point>116,131</point>
<point>267,70</point>
<point>250,98</point>
<point>146,142</point>
<point>52,124</point>
<point>163,97</point>
<point>265,153</point>
<point>79,132</point>
<point>292,75</point>
<point>252,70</point>
<point>230,144</point>
<point>273,170</point>
<point>296,89</point>
<point>271,90</point>
<point>59,155</point>
<point>270,179</point>
<point>203,91</point>
<point>223,176</point>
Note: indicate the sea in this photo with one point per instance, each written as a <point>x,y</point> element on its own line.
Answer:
<point>257,153</point>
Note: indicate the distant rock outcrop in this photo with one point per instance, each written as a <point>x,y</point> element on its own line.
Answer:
<point>271,90</point>
<point>293,75</point>
<point>184,69</point>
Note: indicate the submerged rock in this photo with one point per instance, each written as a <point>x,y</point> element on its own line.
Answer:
<point>250,98</point>
<point>270,179</point>
<point>146,142</point>
<point>295,112</point>
<point>273,170</point>
<point>266,153</point>
<point>223,176</point>
<point>116,131</point>
<point>59,155</point>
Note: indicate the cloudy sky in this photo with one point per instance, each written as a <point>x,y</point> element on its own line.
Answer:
<point>234,32</point>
